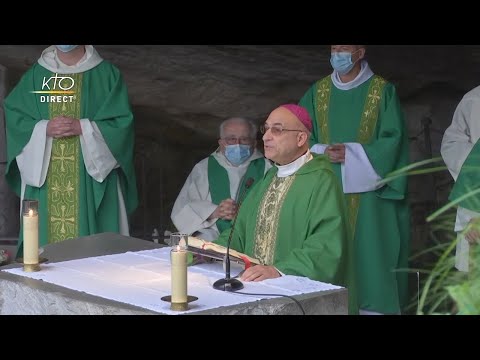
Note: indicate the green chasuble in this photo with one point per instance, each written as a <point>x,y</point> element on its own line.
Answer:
<point>71,203</point>
<point>297,224</point>
<point>370,114</point>
<point>469,180</point>
<point>219,184</point>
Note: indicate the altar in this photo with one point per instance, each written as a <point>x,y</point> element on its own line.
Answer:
<point>112,274</point>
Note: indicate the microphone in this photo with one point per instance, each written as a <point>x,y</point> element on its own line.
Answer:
<point>229,284</point>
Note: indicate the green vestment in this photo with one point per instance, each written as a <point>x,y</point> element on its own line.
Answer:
<point>72,203</point>
<point>370,114</point>
<point>219,184</point>
<point>468,180</point>
<point>297,224</point>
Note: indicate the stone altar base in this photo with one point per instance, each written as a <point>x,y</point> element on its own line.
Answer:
<point>20,295</point>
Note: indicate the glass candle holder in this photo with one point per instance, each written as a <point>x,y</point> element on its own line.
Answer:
<point>179,240</point>
<point>30,235</point>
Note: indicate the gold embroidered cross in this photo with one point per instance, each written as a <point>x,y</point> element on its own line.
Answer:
<point>323,90</point>
<point>59,189</point>
<point>62,157</point>
<point>63,219</point>
<point>374,97</point>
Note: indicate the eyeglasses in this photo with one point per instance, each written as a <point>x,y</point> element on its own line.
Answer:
<point>275,129</point>
<point>231,140</point>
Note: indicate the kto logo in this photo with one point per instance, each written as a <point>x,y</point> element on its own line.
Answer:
<point>59,87</point>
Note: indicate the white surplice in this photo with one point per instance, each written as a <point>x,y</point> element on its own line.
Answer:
<point>194,205</point>
<point>458,141</point>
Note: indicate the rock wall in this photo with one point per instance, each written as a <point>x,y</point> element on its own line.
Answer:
<point>181,93</point>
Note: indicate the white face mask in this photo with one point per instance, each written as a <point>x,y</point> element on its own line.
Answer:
<point>66,48</point>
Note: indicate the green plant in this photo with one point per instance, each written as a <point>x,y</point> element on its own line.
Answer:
<point>466,293</point>
<point>444,290</point>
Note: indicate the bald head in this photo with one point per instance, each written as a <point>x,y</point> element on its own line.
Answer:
<point>286,137</point>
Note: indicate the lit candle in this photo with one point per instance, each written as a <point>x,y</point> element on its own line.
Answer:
<point>178,258</point>
<point>30,237</point>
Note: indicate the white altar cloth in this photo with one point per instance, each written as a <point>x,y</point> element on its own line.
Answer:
<point>142,278</point>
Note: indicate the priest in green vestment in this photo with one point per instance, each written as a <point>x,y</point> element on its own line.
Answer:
<point>358,123</point>
<point>70,141</point>
<point>294,219</point>
<point>208,200</point>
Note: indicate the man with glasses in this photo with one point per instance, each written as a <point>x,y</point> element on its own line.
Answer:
<point>208,200</point>
<point>294,220</point>
<point>358,123</point>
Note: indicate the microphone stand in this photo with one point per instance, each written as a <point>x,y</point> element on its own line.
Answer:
<point>229,284</point>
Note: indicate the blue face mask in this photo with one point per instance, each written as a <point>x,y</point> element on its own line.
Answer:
<point>237,154</point>
<point>342,62</point>
<point>66,48</point>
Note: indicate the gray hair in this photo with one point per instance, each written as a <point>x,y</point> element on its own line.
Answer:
<point>253,127</point>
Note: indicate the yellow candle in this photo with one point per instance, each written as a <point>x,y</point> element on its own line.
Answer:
<point>179,275</point>
<point>30,238</point>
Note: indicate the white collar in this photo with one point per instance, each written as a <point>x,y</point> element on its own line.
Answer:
<point>364,74</point>
<point>292,168</point>
<point>50,61</point>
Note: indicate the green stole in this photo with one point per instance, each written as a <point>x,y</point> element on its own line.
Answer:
<point>219,183</point>
<point>268,218</point>
<point>368,124</point>
<point>63,206</point>
<point>468,180</point>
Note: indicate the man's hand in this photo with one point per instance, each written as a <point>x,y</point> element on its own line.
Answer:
<point>62,126</point>
<point>336,153</point>
<point>226,210</point>
<point>473,231</point>
<point>259,273</point>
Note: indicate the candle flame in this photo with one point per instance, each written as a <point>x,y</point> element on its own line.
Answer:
<point>178,247</point>
<point>30,212</point>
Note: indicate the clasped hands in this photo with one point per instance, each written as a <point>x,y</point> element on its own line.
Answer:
<point>63,126</point>
<point>226,210</point>
<point>336,153</point>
